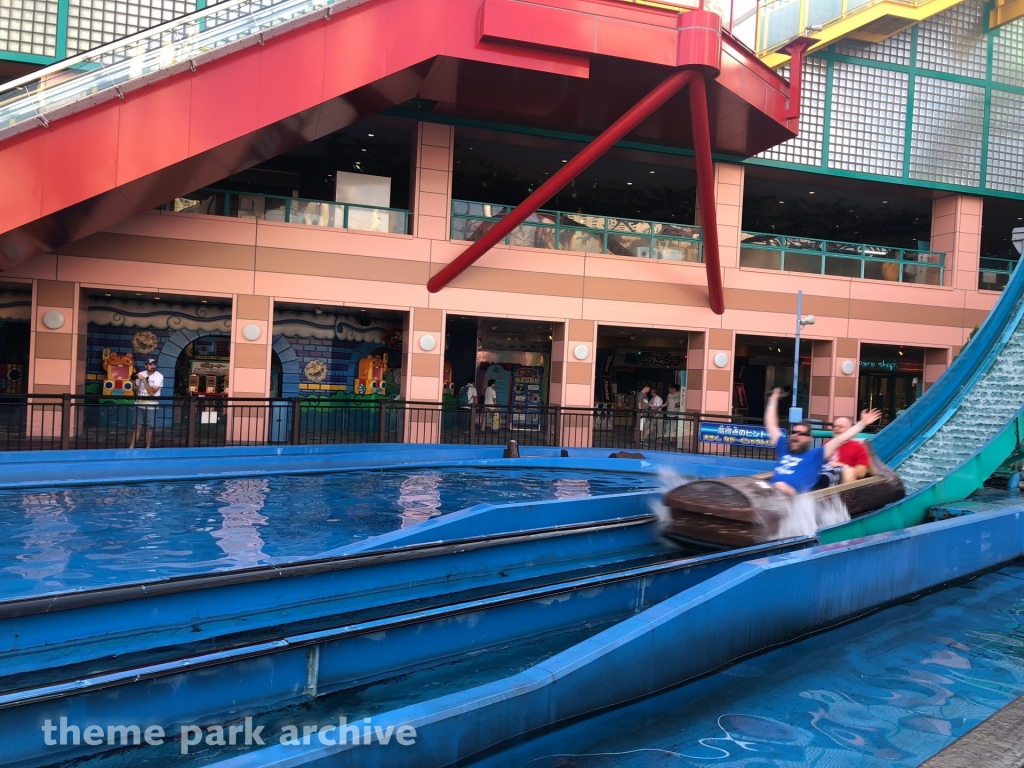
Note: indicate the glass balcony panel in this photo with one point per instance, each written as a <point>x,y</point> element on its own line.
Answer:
<point>582,221</point>
<point>629,225</point>
<point>881,252</point>
<point>470,229</point>
<point>837,265</point>
<point>997,264</point>
<point>921,274</point>
<point>757,238</point>
<point>582,240</point>
<point>882,270</point>
<point>849,249</point>
<point>823,11</point>
<point>210,203</point>
<point>677,230</point>
<point>531,235</point>
<point>677,250</point>
<point>797,261</point>
<point>780,22</point>
<point>630,245</point>
<point>760,258</point>
<point>804,244</point>
<point>275,208</point>
<point>399,222</point>
<point>992,281</point>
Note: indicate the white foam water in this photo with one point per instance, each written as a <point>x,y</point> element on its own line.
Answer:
<point>805,516</point>
<point>668,479</point>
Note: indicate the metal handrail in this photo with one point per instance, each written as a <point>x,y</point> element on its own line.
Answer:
<point>290,212</point>
<point>837,249</point>
<point>122,66</point>
<point>558,222</point>
<point>796,23</point>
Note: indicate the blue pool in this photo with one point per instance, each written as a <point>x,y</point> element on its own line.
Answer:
<point>891,689</point>
<point>75,538</point>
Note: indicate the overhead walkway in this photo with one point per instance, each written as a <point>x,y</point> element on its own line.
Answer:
<point>828,21</point>
<point>961,430</point>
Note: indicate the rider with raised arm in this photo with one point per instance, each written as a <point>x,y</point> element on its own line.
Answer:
<point>799,465</point>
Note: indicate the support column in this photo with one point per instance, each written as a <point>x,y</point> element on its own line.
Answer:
<point>57,341</point>
<point>424,374</point>
<point>572,380</point>
<point>844,385</point>
<point>696,354</point>
<point>729,179</point>
<point>251,339</point>
<point>822,366</point>
<point>432,181</point>
<point>956,230</point>
<point>936,361</point>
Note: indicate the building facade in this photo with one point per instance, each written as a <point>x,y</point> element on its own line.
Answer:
<point>897,212</point>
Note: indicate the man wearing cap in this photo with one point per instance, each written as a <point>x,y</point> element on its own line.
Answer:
<point>148,384</point>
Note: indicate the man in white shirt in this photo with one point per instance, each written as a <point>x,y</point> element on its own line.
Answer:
<point>148,384</point>
<point>490,403</point>
<point>655,419</point>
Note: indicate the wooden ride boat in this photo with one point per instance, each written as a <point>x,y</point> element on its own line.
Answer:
<point>742,511</point>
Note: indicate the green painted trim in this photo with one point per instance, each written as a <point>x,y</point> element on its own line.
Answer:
<point>908,122</point>
<point>958,485</point>
<point>826,128</point>
<point>62,29</point>
<point>200,5</point>
<point>27,58</point>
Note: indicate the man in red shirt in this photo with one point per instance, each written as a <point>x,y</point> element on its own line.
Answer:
<point>852,458</point>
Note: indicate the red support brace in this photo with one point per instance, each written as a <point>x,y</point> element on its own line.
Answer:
<point>642,109</point>
<point>706,191</point>
<point>796,49</point>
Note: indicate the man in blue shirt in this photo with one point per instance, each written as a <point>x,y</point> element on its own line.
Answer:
<point>799,465</point>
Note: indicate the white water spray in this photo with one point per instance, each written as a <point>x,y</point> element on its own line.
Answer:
<point>805,516</point>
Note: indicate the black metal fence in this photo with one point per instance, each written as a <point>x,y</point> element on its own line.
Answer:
<point>56,422</point>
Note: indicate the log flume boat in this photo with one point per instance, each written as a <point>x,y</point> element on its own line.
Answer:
<point>734,512</point>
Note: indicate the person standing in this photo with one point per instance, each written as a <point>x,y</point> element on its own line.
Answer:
<point>642,407</point>
<point>148,384</point>
<point>490,405</point>
<point>654,415</point>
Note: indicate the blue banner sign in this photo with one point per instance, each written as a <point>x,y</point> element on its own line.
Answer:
<point>746,435</point>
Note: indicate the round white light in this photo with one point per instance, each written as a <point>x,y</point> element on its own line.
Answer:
<point>721,360</point>
<point>581,352</point>
<point>251,332</point>
<point>427,342</point>
<point>53,320</point>
<point>848,367</point>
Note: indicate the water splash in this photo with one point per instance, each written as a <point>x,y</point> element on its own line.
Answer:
<point>805,515</point>
<point>668,480</point>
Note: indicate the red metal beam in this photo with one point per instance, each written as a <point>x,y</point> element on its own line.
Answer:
<point>636,114</point>
<point>706,191</point>
<point>796,48</point>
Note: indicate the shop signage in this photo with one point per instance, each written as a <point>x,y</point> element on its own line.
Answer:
<point>745,435</point>
<point>526,395</point>
<point>880,365</point>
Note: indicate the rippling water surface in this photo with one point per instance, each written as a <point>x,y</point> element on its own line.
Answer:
<point>99,535</point>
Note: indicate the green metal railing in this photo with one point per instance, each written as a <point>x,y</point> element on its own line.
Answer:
<point>830,257</point>
<point>582,232</point>
<point>296,210</point>
<point>994,274</point>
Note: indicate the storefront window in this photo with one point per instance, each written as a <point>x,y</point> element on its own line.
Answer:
<point>891,379</point>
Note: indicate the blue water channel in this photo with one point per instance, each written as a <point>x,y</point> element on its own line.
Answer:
<point>888,690</point>
<point>75,538</point>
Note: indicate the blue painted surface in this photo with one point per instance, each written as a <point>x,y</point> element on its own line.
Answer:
<point>155,625</point>
<point>889,690</point>
<point>362,669</point>
<point>114,534</point>
<point>687,635</point>
<point>59,469</point>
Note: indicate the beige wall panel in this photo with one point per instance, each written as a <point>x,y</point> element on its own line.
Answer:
<point>426,365</point>
<point>718,381</point>
<point>300,237</point>
<point>581,330</point>
<point>253,307</point>
<point>250,356</point>
<point>340,265</point>
<point>428,319</point>
<point>487,279</point>
<point>846,386</point>
<point>116,247</point>
<point>55,346</point>
<point>190,226</point>
<point>54,293</point>
<point>171,278</point>
<point>360,293</point>
<point>579,373</point>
